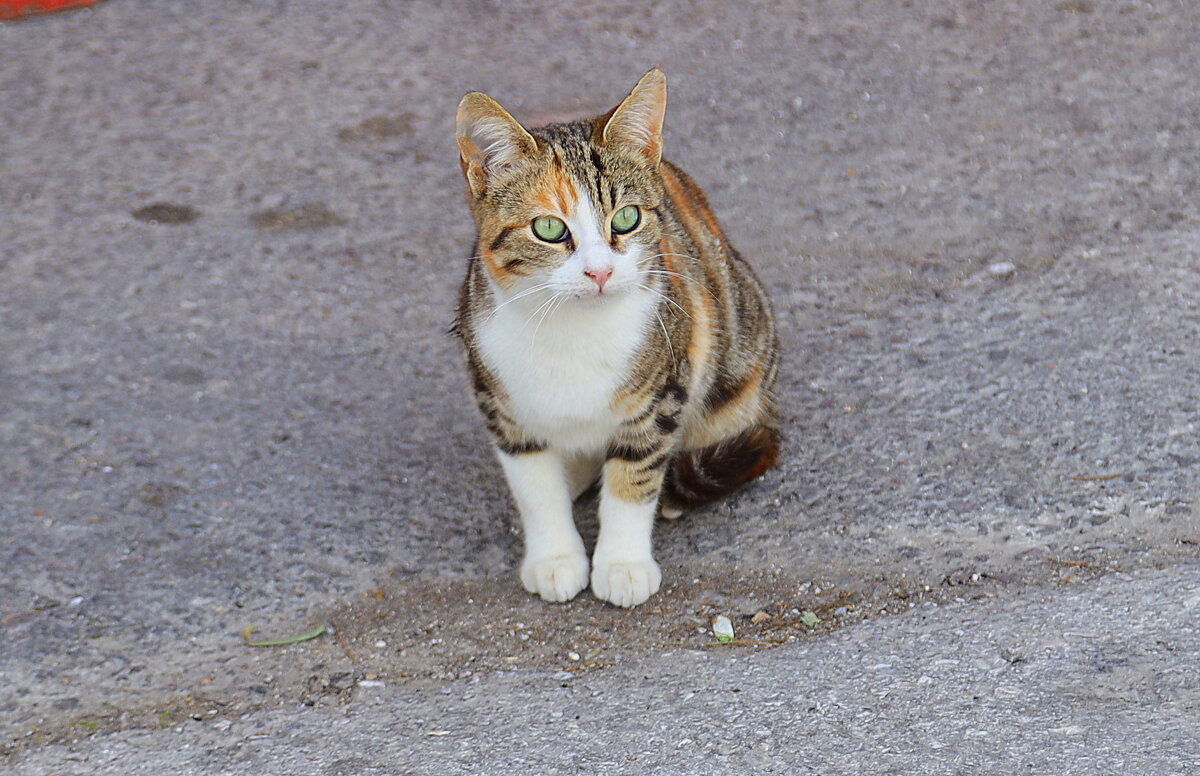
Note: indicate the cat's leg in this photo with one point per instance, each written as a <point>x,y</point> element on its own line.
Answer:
<point>555,565</point>
<point>582,472</point>
<point>623,568</point>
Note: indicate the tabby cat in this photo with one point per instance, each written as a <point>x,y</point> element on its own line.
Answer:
<point>611,334</point>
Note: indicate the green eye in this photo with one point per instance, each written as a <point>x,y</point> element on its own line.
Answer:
<point>626,219</point>
<point>550,229</point>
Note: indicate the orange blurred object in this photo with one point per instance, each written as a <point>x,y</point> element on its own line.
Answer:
<point>16,9</point>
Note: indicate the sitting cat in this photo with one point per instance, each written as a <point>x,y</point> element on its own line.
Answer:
<point>611,333</point>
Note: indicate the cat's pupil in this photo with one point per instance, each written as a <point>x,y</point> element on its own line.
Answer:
<point>550,229</point>
<point>626,219</point>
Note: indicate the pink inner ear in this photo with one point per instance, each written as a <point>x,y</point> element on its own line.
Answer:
<point>489,138</point>
<point>637,122</point>
<point>497,142</point>
<point>472,164</point>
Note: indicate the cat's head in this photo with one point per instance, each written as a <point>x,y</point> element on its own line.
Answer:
<point>568,208</point>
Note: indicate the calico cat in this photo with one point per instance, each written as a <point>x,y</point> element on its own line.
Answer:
<point>611,333</point>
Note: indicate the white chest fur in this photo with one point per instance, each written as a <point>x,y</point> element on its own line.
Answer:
<point>561,372</point>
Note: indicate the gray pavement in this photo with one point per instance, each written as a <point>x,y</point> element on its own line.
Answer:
<point>230,240</point>
<point>1108,682</point>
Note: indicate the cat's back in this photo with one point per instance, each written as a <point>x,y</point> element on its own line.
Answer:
<point>705,252</point>
<point>731,337</point>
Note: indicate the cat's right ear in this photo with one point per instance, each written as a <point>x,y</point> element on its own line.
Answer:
<point>489,140</point>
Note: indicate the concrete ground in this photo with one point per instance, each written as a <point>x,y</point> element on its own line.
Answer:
<point>230,240</point>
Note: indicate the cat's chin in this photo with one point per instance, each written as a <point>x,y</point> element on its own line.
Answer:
<point>597,298</point>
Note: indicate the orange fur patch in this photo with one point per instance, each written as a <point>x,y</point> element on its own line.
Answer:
<point>745,407</point>
<point>620,478</point>
<point>703,312</point>
<point>495,265</point>
<point>679,199</point>
<point>689,202</point>
<point>631,399</point>
<point>670,265</point>
<point>557,194</point>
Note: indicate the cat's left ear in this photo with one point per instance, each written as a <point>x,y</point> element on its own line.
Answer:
<point>636,124</point>
<point>489,140</point>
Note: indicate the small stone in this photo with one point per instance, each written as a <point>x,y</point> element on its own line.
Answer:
<point>573,657</point>
<point>722,628</point>
<point>760,617</point>
<point>1001,269</point>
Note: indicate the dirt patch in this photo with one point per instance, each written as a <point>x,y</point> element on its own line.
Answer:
<point>377,128</point>
<point>312,215</point>
<point>459,628</point>
<point>166,213</point>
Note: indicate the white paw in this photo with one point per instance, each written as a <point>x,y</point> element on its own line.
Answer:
<point>671,513</point>
<point>555,577</point>
<point>627,582</point>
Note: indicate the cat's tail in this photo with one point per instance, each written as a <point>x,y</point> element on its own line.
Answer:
<point>699,476</point>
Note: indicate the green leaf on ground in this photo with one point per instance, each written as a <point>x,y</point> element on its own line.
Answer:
<point>312,634</point>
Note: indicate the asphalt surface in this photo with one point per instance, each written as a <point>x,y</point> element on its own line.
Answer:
<point>1108,684</point>
<point>230,240</point>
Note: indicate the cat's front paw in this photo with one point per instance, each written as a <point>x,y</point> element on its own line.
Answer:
<point>626,582</point>
<point>555,577</point>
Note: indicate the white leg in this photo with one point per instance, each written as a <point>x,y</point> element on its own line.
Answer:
<point>623,568</point>
<point>555,565</point>
<point>582,471</point>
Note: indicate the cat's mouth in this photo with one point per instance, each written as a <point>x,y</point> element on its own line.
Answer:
<point>598,296</point>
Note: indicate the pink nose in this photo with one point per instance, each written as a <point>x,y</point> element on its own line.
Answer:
<point>600,276</point>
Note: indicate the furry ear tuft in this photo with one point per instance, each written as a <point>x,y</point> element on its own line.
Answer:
<point>636,124</point>
<point>489,140</point>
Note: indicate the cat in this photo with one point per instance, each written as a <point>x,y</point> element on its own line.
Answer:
<point>611,333</point>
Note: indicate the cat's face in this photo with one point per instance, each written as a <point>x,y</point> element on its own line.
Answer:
<point>567,209</point>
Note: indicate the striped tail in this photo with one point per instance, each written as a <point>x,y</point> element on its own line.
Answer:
<point>699,476</point>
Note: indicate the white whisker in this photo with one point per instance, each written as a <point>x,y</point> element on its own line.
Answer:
<point>522,295</point>
<point>664,297</point>
<point>558,299</point>
<point>668,273</point>
<point>543,306</point>
<point>667,337</point>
